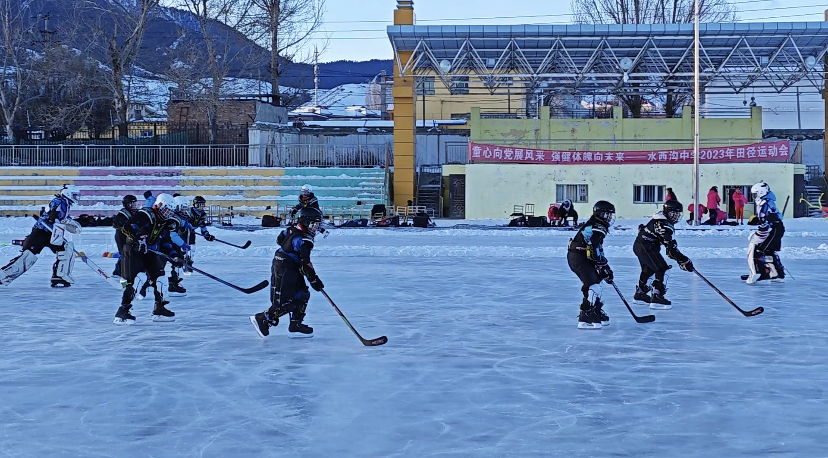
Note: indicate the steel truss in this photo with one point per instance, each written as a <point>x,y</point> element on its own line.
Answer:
<point>658,58</point>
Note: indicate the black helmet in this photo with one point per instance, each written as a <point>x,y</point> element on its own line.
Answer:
<point>199,202</point>
<point>672,209</point>
<point>604,211</point>
<point>309,219</point>
<point>130,201</point>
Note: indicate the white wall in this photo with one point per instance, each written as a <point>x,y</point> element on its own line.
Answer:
<point>493,189</point>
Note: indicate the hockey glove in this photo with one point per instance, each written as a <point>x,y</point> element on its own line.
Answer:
<point>605,273</point>
<point>317,284</point>
<point>209,237</point>
<point>687,265</point>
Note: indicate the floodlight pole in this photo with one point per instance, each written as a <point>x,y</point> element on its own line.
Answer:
<point>696,200</point>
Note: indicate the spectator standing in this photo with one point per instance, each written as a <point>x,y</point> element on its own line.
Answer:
<point>739,201</point>
<point>713,201</point>
<point>670,195</point>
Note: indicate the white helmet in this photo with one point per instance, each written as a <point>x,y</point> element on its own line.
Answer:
<point>71,193</point>
<point>306,189</point>
<point>182,204</point>
<point>759,191</point>
<point>165,205</point>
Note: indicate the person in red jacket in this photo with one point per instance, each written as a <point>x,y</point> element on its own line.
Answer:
<point>739,201</point>
<point>691,208</point>
<point>713,201</point>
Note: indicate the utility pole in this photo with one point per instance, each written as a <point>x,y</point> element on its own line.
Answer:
<point>45,33</point>
<point>696,107</point>
<point>315,77</point>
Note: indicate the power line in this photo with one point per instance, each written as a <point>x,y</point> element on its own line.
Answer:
<point>538,16</point>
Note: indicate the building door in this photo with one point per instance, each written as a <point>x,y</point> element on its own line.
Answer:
<point>457,196</point>
<point>728,191</point>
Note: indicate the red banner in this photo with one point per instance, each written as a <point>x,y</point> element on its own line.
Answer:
<point>778,151</point>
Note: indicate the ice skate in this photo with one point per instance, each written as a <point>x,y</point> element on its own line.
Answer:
<point>161,314</point>
<point>642,296</point>
<point>657,299</point>
<point>604,318</point>
<point>175,287</point>
<point>262,325</point>
<point>590,317</point>
<point>123,315</point>
<point>299,330</point>
<point>58,282</point>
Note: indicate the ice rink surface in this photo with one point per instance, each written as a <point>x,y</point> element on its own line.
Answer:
<point>484,358</point>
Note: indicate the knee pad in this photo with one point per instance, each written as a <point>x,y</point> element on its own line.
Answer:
<point>17,267</point>
<point>303,296</point>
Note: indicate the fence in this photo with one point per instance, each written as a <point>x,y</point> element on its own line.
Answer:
<point>124,155</point>
<point>282,155</point>
<point>326,155</point>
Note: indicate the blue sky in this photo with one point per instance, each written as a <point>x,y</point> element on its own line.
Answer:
<point>358,32</point>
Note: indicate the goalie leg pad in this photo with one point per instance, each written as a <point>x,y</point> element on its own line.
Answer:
<point>65,263</point>
<point>754,274</point>
<point>17,267</point>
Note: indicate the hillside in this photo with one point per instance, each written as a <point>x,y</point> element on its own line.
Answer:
<point>172,29</point>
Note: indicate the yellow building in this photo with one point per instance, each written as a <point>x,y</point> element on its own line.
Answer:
<point>438,101</point>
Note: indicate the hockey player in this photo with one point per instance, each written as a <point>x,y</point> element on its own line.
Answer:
<point>647,247</point>
<point>766,240</point>
<point>149,199</point>
<point>121,220</point>
<point>49,231</point>
<point>306,199</point>
<point>288,291</point>
<point>145,233</point>
<point>585,256</point>
<point>197,218</point>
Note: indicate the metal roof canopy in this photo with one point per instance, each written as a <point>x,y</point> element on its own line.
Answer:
<point>613,58</point>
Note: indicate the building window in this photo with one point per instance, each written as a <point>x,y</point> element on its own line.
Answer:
<point>648,194</point>
<point>574,192</point>
<point>425,83</point>
<point>459,84</point>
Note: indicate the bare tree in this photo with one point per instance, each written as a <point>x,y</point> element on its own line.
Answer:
<point>651,12</point>
<point>17,40</point>
<point>114,31</point>
<point>204,69</point>
<point>67,95</point>
<point>284,27</point>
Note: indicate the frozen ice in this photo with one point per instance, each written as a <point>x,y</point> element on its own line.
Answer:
<point>483,360</point>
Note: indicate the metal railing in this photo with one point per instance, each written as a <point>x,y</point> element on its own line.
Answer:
<point>279,155</point>
<point>326,155</point>
<point>124,155</point>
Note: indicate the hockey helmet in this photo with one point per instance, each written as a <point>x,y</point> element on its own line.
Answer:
<point>566,205</point>
<point>759,191</point>
<point>672,209</point>
<point>71,193</point>
<point>306,189</point>
<point>130,202</point>
<point>309,219</point>
<point>604,211</point>
<point>165,206</point>
<point>199,203</point>
<point>182,204</point>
